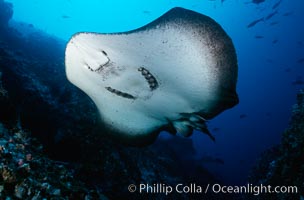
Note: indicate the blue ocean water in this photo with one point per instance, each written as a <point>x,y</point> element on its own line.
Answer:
<point>269,57</point>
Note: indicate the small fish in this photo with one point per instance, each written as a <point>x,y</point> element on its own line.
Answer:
<point>275,41</point>
<point>147,12</point>
<point>276,4</point>
<point>300,61</point>
<point>65,17</point>
<point>273,23</point>
<point>243,116</point>
<point>258,36</point>
<point>287,14</point>
<point>271,15</point>
<point>253,23</point>
<point>257,1</point>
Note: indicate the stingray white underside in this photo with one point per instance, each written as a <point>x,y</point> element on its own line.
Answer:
<point>145,80</point>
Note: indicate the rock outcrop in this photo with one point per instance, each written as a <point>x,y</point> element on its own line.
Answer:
<point>283,165</point>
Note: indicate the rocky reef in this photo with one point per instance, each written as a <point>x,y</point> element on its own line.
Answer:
<point>283,165</point>
<point>25,173</point>
<point>5,14</point>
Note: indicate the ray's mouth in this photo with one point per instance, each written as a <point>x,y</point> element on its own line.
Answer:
<point>120,93</point>
<point>151,80</point>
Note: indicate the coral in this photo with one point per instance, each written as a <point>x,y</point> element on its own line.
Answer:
<point>284,165</point>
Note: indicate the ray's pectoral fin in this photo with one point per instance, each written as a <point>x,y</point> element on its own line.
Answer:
<point>189,122</point>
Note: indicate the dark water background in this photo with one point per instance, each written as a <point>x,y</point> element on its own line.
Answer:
<point>270,55</point>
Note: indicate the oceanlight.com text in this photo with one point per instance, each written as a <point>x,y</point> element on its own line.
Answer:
<point>193,188</point>
<point>254,189</point>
